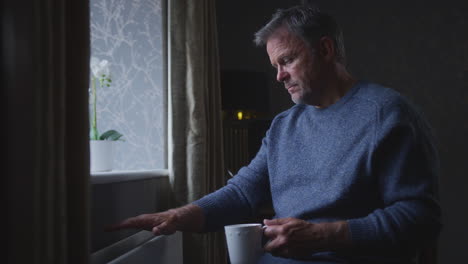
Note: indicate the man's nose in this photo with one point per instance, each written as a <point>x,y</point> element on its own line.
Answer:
<point>282,75</point>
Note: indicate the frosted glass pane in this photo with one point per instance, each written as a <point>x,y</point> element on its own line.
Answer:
<point>129,35</point>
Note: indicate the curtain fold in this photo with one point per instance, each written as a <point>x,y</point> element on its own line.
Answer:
<point>45,46</point>
<point>196,151</point>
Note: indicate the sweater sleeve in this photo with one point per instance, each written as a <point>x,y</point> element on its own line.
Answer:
<point>405,165</point>
<point>241,197</point>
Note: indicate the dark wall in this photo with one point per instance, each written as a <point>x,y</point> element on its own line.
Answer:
<point>419,48</point>
<point>237,22</point>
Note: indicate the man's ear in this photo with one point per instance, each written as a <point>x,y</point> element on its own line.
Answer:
<point>327,48</point>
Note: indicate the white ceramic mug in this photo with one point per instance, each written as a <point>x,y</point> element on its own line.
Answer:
<point>244,243</point>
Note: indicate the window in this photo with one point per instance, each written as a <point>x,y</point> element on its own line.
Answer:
<point>130,35</point>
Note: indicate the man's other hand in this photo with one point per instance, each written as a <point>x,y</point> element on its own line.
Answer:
<point>295,238</point>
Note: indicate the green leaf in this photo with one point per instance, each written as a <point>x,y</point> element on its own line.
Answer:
<point>111,135</point>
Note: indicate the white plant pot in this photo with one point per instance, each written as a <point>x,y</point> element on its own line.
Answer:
<point>101,155</point>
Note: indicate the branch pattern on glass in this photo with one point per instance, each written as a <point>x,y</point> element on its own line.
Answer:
<point>129,35</point>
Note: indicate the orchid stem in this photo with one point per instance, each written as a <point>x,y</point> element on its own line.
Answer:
<point>94,132</point>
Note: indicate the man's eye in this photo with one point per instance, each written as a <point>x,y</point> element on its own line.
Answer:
<point>287,60</point>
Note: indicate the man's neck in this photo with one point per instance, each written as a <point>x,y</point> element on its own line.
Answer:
<point>339,83</point>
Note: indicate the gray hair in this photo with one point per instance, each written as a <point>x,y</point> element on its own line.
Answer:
<point>308,23</point>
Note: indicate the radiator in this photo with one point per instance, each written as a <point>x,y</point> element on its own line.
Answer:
<point>236,147</point>
<point>148,250</point>
<point>242,140</point>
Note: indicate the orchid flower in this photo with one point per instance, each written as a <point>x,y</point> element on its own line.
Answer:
<point>100,71</point>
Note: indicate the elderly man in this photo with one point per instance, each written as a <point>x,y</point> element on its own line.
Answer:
<point>350,169</point>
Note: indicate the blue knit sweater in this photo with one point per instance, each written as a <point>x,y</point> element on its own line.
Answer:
<point>368,159</point>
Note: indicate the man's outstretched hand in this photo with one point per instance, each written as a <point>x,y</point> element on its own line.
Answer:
<point>187,218</point>
<point>295,238</point>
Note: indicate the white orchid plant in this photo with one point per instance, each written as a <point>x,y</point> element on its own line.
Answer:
<point>100,72</point>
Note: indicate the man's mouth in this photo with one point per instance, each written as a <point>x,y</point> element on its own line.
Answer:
<point>291,88</point>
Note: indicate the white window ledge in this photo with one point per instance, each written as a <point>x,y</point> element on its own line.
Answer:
<point>124,176</point>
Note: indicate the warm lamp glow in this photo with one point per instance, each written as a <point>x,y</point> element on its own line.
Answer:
<point>240,115</point>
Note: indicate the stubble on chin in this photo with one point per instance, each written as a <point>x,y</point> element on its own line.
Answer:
<point>297,97</point>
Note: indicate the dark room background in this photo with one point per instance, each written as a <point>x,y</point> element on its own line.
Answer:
<point>419,48</point>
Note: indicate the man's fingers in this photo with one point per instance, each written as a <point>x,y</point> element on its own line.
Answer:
<point>127,223</point>
<point>275,246</point>
<point>159,229</point>
<point>156,231</point>
<point>163,229</point>
<point>281,247</point>
<point>278,221</point>
<point>270,232</point>
<point>270,222</point>
<point>145,221</point>
<point>276,227</point>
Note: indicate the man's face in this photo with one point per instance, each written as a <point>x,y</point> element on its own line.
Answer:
<point>297,67</point>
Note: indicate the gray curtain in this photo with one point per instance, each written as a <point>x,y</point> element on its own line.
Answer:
<point>196,154</point>
<point>45,56</point>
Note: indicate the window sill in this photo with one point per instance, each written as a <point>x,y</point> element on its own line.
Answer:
<point>125,176</point>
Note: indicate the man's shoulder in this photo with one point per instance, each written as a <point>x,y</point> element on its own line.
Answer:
<point>385,100</point>
<point>377,94</point>
<point>389,104</point>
